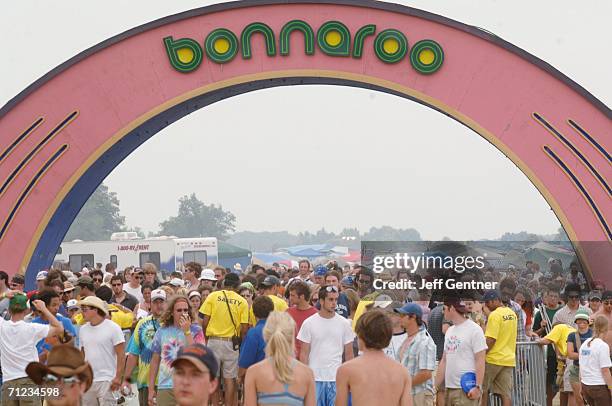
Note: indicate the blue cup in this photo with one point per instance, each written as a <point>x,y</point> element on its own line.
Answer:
<point>468,381</point>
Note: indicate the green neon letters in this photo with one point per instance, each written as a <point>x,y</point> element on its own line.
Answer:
<point>333,38</point>
<point>247,33</point>
<point>304,28</point>
<point>184,44</point>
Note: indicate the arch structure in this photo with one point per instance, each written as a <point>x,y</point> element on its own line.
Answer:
<point>65,133</point>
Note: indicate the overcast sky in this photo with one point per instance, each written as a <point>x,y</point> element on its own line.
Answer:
<point>308,167</point>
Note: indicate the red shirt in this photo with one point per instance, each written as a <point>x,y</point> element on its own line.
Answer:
<point>299,316</point>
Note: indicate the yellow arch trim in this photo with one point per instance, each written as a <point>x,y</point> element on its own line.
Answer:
<point>464,119</point>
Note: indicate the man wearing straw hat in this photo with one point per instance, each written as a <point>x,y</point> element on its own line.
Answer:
<point>66,377</point>
<point>103,343</point>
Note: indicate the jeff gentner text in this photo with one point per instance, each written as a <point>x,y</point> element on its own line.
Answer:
<point>435,284</point>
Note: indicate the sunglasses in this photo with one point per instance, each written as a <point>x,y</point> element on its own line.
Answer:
<point>114,285</point>
<point>137,277</point>
<point>97,279</point>
<point>331,288</point>
<point>247,295</point>
<point>54,380</point>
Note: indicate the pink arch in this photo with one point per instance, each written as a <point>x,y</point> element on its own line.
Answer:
<point>59,128</point>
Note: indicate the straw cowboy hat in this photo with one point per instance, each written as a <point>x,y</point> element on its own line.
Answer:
<point>63,361</point>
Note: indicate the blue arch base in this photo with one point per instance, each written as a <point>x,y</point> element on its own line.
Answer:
<point>67,211</point>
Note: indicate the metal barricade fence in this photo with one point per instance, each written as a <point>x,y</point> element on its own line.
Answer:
<point>529,387</point>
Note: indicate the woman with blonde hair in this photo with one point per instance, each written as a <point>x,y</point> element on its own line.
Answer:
<point>594,358</point>
<point>280,378</point>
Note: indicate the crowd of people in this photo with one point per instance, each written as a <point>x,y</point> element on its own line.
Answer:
<point>310,335</point>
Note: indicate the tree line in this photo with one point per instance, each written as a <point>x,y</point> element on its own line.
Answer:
<point>100,217</point>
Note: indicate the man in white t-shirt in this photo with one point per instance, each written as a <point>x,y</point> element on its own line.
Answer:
<point>133,286</point>
<point>18,346</point>
<point>464,352</point>
<point>103,343</point>
<point>325,336</point>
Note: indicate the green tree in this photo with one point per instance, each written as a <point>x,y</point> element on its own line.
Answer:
<point>196,219</point>
<point>387,233</point>
<point>98,218</point>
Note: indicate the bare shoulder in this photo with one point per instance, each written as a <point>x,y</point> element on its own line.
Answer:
<point>351,365</point>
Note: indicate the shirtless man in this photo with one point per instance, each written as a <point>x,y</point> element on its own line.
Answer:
<point>374,330</point>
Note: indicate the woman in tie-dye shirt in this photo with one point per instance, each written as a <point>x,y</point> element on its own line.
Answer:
<point>178,328</point>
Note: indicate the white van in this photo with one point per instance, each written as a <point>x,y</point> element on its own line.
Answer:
<point>123,250</point>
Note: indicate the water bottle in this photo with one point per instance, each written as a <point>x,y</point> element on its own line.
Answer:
<point>118,397</point>
<point>127,393</point>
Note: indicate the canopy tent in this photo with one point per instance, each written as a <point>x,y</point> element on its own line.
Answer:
<point>316,250</point>
<point>230,255</point>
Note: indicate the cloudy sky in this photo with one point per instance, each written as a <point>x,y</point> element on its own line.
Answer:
<point>311,166</point>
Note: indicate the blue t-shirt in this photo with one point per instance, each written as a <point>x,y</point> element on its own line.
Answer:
<point>571,338</point>
<point>68,328</point>
<point>253,348</point>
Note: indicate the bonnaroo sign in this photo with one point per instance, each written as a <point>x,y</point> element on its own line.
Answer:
<point>61,136</point>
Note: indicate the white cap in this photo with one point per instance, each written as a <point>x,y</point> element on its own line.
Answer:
<point>207,275</point>
<point>238,267</point>
<point>177,282</point>
<point>158,294</point>
<point>41,276</point>
<point>194,293</point>
<point>72,304</point>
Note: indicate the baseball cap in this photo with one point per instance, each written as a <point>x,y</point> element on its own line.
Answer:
<point>247,285</point>
<point>595,295</point>
<point>457,303</point>
<point>347,280</point>
<point>270,280</point>
<point>490,295</point>
<point>208,275</point>
<point>18,303</point>
<point>158,294</point>
<point>72,304</point>
<point>410,308</point>
<point>607,295</point>
<point>41,276</point>
<point>581,315</point>
<point>85,280</point>
<point>320,270</point>
<point>177,282</point>
<point>200,356</point>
